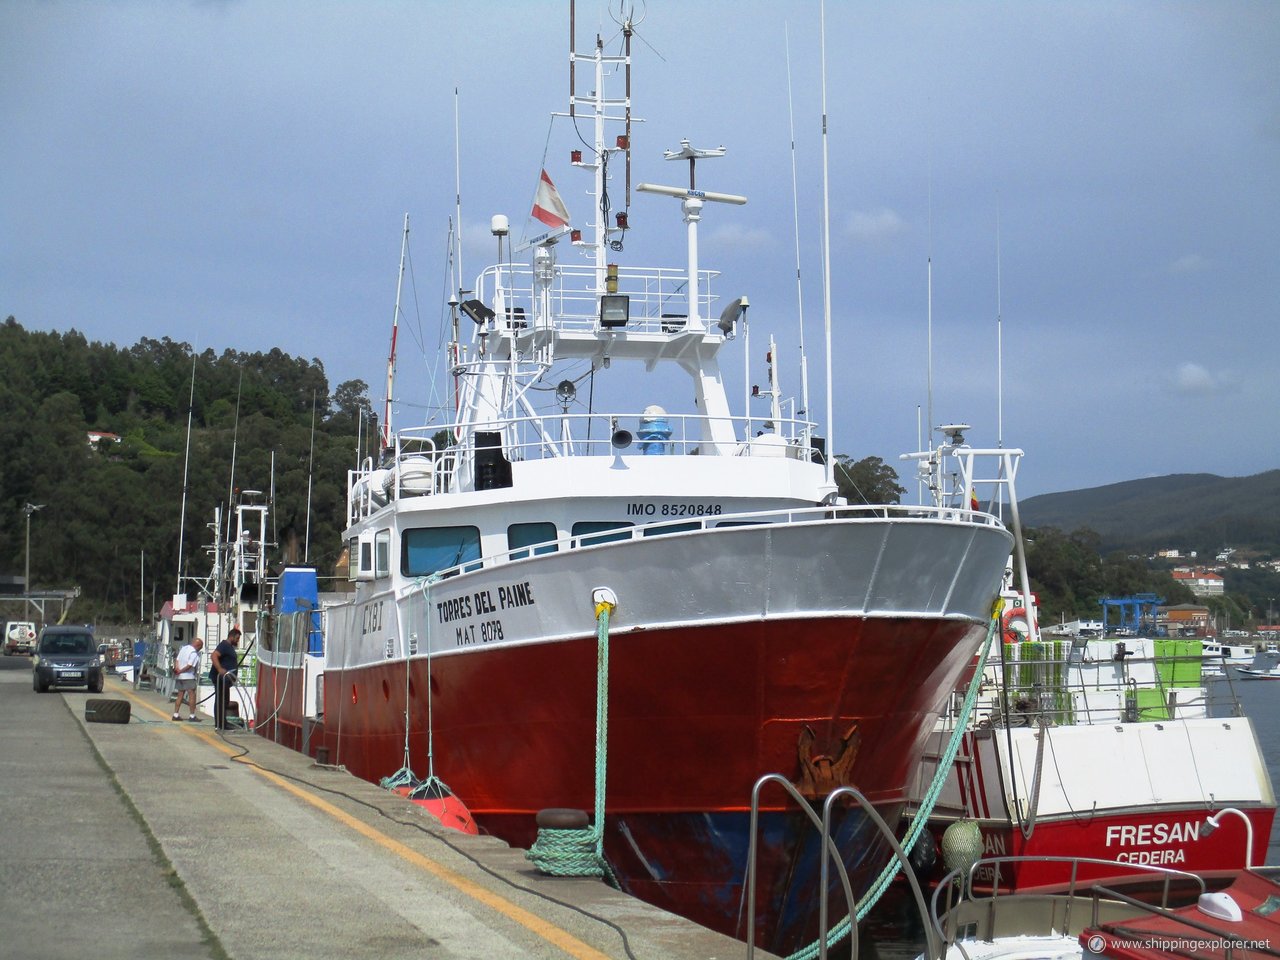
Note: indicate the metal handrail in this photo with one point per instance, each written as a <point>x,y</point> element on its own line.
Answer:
<point>693,525</point>
<point>874,815</point>
<point>826,841</point>
<point>575,300</point>
<point>832,854</point>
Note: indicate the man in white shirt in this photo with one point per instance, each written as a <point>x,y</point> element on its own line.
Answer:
<point>186,668</point>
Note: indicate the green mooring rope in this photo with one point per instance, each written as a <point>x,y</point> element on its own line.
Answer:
<point>580,853</point>
<point>921,818</point>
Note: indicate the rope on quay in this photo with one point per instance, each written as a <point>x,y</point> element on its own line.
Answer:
<point>567,846</point>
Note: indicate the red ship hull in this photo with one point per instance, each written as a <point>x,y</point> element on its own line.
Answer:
<point>696,716</point>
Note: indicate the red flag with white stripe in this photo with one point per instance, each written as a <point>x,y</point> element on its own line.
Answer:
<point>547,205</point>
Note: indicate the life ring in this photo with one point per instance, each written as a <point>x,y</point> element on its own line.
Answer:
<point>1010,634</point>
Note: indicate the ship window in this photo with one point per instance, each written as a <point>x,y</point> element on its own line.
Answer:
<point>364,571</point>
<point>382,554</point>
<point>592,531</point>
<point>664,529</point>
<point>432,549</point>
<point>540,536</point>
<point>741,523</point>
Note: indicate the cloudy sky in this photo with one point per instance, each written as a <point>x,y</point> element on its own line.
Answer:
<point>235,174</point>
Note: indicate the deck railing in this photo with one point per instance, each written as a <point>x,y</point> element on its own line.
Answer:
<point>1035,683</point>
<point>659,299</point>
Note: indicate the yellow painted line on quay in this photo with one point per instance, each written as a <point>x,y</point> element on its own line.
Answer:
<point>530,921</point>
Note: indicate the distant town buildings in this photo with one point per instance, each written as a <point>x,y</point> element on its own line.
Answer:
<point>1185,620</point>
<point>1203,583</point>
<point>1228,558</point>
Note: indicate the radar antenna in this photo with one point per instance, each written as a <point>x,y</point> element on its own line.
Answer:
<point>691,207</point>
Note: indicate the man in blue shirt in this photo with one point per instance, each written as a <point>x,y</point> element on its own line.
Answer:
<point>223,673</point>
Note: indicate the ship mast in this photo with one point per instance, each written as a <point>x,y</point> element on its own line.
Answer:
<point>603,232</point>
<point>395,328</point>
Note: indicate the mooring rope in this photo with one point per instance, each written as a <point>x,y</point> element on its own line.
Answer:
<point>579,852</point>
<point>432,787</point>
<point>921,818</point>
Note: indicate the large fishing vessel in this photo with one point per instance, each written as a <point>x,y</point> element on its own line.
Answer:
<point>691,571</point>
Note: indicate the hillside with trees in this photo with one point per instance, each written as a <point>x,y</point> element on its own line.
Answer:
<point>109,503</point>
<point>1189,511</point>
<point>1122,527</point>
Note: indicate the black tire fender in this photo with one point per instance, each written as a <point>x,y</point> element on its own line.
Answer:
<point>562,818</point>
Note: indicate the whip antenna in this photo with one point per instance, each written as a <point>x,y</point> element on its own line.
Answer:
<point>795,213</point>
<point>826,259</point>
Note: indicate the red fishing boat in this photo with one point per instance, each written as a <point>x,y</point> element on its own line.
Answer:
<point>548,563</point>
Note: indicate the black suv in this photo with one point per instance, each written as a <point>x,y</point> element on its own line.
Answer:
<point>67,657</point>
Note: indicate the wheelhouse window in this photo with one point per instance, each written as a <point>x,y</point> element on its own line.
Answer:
<point>539,536</point>
<point>592,532</point>
<point>432,549</point>
<point>359,557</point>
<point>382,554</point>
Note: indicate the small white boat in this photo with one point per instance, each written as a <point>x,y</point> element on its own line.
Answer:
<point>1247,673</point>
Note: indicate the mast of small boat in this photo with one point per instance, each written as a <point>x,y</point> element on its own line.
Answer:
<point>999,343</point>
<point>774,392</point>
<point>395,329</point>
<point>311,464</point>
<point>455,244</point>
<point>186,465</point>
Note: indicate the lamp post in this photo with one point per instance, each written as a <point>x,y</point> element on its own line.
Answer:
<point>29,509</point>
<point>1212,823</point>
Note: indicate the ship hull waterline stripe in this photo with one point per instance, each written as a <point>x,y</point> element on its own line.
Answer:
<point>530,921</point>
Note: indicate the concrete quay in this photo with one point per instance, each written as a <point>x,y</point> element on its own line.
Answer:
<point>156,839</point>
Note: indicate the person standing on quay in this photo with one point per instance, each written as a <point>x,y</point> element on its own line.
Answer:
<point>186,671</point>
<point>224,676</point>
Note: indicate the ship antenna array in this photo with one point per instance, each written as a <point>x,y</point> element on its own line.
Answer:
<point>601,152</point>
<point>692,200</point>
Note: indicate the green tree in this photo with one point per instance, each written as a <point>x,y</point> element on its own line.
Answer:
<point>869,480</point>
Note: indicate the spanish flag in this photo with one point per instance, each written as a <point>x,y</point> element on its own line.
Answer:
<point>973,500</point>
